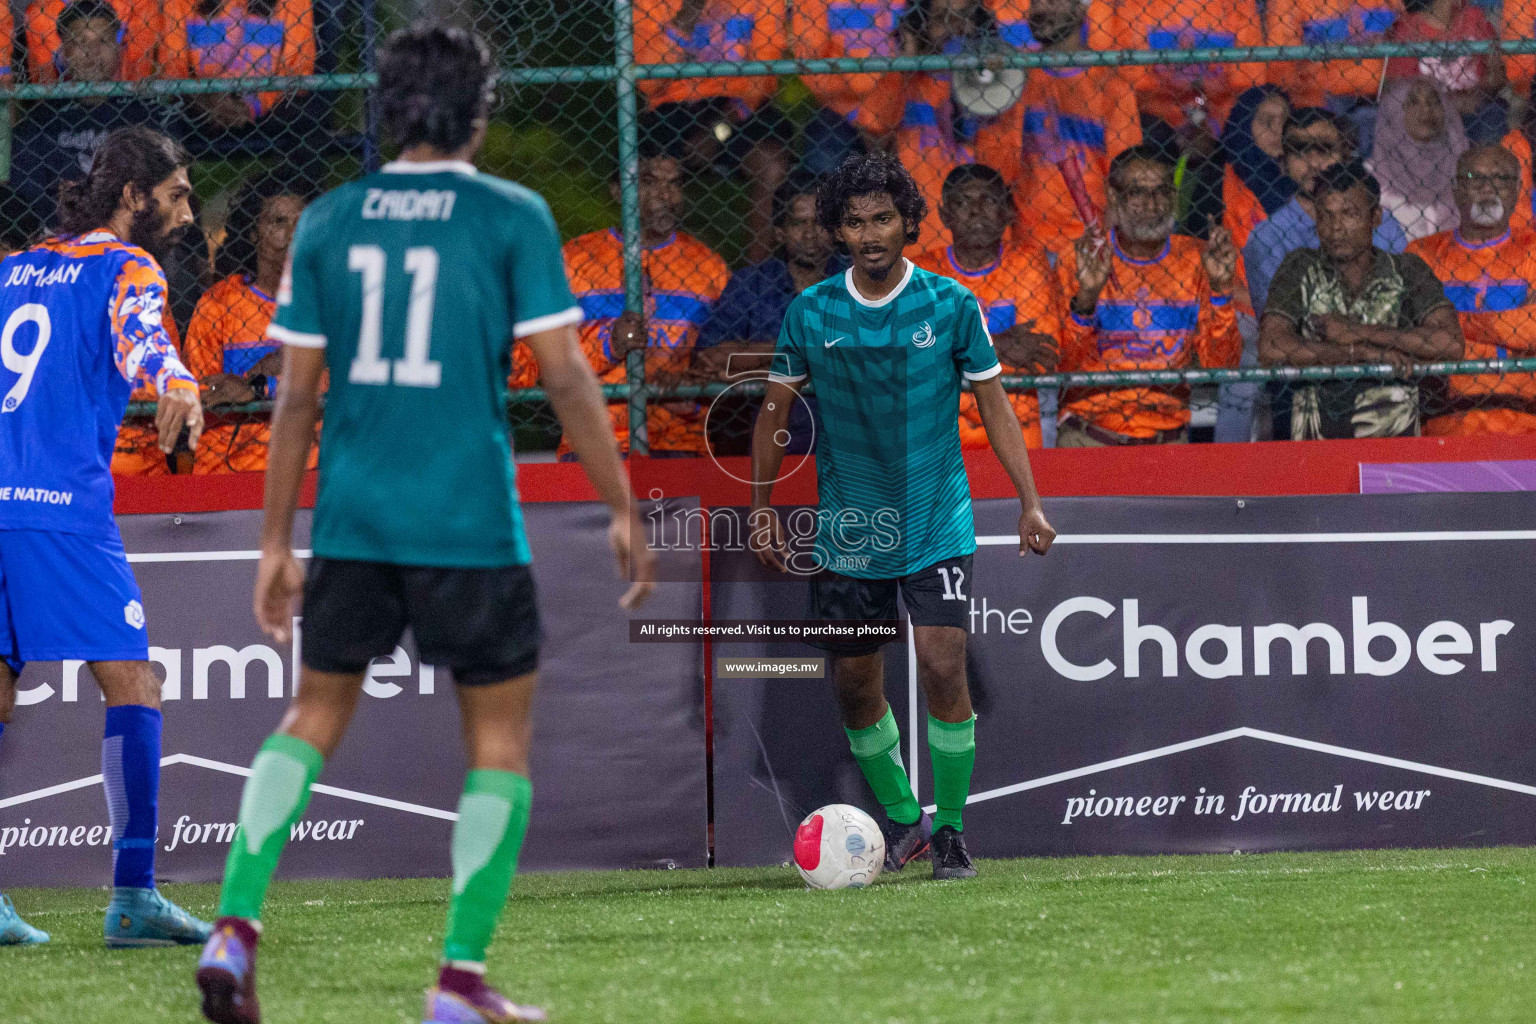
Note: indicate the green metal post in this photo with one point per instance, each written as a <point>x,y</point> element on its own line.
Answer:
<point>629,205</point>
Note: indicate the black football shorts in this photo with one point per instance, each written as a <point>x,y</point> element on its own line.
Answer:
<point>481,623</point>
<point>938,595</point>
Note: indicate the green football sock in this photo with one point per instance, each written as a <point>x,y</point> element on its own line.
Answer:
<point>493,817</point>
<point>878,751</point>
<point>275,796</point>
<point>952,747</point>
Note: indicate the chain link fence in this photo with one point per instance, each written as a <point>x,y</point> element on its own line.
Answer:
<point>1132,189</point>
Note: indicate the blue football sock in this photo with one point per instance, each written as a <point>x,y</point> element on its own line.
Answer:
<point>130,771</point>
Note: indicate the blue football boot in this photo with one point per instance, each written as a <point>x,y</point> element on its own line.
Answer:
<point>142,917</point>
<point>13,930</point>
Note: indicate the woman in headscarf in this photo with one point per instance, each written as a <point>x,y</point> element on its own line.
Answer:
<point>1255,185</point>
<point>1419,137</point>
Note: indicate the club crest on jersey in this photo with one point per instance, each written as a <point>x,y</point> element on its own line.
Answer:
<point>923,337</point>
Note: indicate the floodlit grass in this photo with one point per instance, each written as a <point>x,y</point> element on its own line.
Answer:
<point>1437,935</point>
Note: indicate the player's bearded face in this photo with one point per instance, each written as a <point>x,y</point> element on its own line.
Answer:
<point>874,233</point>
<point>168,210</point>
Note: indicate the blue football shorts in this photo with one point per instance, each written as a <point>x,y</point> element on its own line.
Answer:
<point>64,595</point>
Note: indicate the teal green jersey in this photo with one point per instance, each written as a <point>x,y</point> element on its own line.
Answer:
<point>893,493</point>
<point>415,281</point>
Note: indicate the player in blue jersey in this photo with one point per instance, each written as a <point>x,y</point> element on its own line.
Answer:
<point>886,345</point>
<point>417,520</point>
<point>82,316</point>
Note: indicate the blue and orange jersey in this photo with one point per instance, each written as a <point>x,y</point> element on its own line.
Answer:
<point>1084,115</point>
<point>1156,314</point>
<point>683,279</point>
<point>83,322</point>
<point>1493,287</point>
<point>8,27</point>
<point>235,42</point>
<point>1325,23</point>
<point>1518,22</point>
<point>848,28</point>
<point>726,30</point>
<point>144,27</point>
<point>1169,90</point>
<point>1019,289</point>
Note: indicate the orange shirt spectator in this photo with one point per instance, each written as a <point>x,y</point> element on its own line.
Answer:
<point>8,27</point>
<point>831,29</point>
<point>684,278</point>
<point>1153,314</point>
<point>1098,33</point>
<point>1492,286</point>
<point>676,31</point>
<point>240,38</point>
<point>228,335</point>
<point>1322,23</point>
<point>144,28</point>
<point>1019,289</point>
<point>1077,116</point>
<point>1488,269</point>
<point>1171,91</point>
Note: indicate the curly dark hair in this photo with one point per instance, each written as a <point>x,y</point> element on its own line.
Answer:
<point>869,174</point>
<point>435,82</point>
<point>238,253</point>
<point>136,156</point>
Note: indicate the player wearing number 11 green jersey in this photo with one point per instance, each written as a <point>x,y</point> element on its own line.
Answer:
<point>409,287</point>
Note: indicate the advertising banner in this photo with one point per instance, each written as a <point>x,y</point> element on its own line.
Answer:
<point>618,762</point>
<point>1190,675</point>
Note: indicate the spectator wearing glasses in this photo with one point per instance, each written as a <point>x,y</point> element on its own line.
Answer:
<point>1348,302</point>
<point>1489,271</point>
<point>1143,298</point>
<point>1313,140</point>
<point>1419,138</point>
<point>54,141</point>
<point>142,29</point>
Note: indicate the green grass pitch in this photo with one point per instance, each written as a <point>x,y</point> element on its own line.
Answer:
<point>1399,937</point>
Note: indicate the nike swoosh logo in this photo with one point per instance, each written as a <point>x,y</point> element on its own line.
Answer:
<point>834,341</point>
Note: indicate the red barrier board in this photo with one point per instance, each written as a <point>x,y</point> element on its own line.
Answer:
<point>1268,468</point>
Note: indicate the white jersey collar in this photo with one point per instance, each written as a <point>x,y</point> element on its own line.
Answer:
<point>890,296</point>
<point>429,167</point>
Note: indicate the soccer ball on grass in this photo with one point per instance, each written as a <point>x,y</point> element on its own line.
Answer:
<point>839,847</point>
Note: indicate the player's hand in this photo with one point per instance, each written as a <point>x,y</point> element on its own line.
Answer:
<point>279,581</point>
<point>1093,265</point>
<point>637,562</point>
<point>766,538</point>
<point>628,332</point>
<point>178,408</point>
<point>1220,260</point>
<point>1035,533</point>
